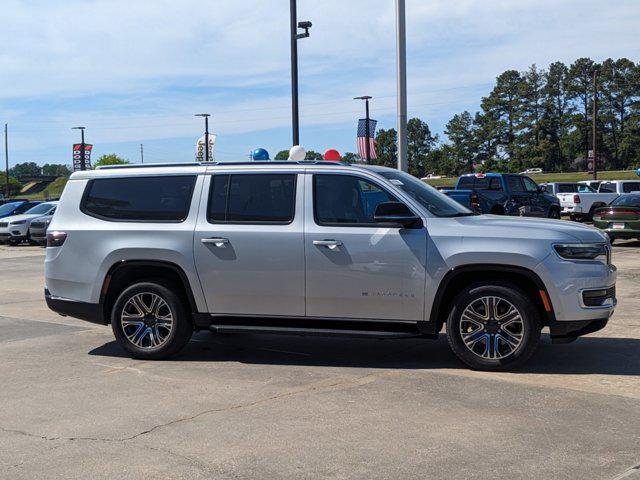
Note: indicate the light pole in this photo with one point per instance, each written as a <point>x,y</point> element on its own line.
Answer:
<point>295,36</point>
<point>367,147</point>
<point>401,61</point>
<point>82,158</point>
<point>206,134</point>
<point>6,156</point>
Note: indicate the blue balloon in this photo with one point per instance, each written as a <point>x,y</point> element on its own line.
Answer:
<point>638,172</point>
<point>260,154</point>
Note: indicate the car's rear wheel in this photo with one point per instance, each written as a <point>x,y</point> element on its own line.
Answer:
<point>150,321</point>
<point>493,326</point>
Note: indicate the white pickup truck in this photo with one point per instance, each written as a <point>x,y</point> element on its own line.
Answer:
<point>619,186</point>
<point>579,200</point>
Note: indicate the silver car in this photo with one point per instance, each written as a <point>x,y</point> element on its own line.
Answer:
<point>17,228</point>
<point>316,248</point>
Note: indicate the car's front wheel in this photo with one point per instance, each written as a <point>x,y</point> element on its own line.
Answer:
<point>493,326</point>
<point>150,321</point>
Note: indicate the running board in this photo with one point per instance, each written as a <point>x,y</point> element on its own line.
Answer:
<point>306,326</point>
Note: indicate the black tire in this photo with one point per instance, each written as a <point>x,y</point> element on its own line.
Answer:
<point>528,327</point>
<point>175,339</point>
<point>554,213</point>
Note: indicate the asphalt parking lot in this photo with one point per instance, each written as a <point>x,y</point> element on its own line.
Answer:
<point>257,406</point>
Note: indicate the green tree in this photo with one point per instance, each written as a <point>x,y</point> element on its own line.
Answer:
<point>420,142</point>
<point>14,185</point>
<point>282,155</point>
<point>111,159</point>
<point>385,142</point>
<point>26,169</point>
<point>556,121</point>
<point>313,155</point>
<point>54,169</point>
<point>350,157</point>
<point>461,132</point>
<point>580,90</point>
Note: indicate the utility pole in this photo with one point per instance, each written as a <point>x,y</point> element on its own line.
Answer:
<point>141,154</point>
<point>295,36</point>
<point>401,63</point>
<point>206,134</point>
<point>367,150</point>
<point>82,147</point>
<point>594,127</point>
<point>6,158</point>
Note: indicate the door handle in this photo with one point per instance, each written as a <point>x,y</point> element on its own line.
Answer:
<point>217,241</point>
<point>332,244</point>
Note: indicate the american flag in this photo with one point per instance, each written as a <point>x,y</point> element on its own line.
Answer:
<point>362,138</point>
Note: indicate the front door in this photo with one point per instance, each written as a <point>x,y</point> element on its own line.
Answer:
<point>536,199</point>
<point>248,243</point>
<point>355,267</point>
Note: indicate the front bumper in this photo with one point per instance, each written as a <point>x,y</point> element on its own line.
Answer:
<point>13,232</point>
<point>567,280</point>
<point>567,332</point>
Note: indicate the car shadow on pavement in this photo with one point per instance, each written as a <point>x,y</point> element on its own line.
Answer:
<point>588,355</point>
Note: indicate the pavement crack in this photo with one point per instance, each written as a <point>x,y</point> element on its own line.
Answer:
<point>314,387</point>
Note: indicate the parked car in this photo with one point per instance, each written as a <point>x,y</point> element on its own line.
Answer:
<point>16,207</point>
<point>578,200</point>
<point>619,186</point>
<point>316,248</point>
<point>621,218</point>
<point>504,194</point>
<point>532,171</point>
<point>38,230</point>
<point>16,228</point>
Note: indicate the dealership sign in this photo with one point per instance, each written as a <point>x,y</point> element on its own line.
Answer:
<point>200,156</point>
<point>80,163</point>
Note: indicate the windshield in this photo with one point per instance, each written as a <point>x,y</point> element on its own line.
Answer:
<point>627,201</point>
<point>8,207</point>
<point>40,209</point>
<point>437,203</point>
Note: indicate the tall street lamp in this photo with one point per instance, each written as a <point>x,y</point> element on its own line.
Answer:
<point>367,147</point>
<point>295,36</point>
<point>206,134</point>
<point>82,147</point>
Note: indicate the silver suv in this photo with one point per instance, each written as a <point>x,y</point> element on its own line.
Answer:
<point>316,248</point>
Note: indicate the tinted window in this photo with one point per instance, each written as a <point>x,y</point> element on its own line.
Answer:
<point>515,185</point>
<point>346,199</point>
<point>627,201</point>
<point>24,207</point>
<point>152,199</point>
<point>495,184</point>
<point>465,183</point>
<point>628,187</point>
<point>40,209</point>
<point>585,189</point>
<point>529,185</point>
<point>607,187</point>
<point>567,188</point>
<point>252,198</point>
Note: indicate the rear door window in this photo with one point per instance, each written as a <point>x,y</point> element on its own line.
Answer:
<point>607,187</point>
<point>628,187</point>
<point>515,184</point>
<point>165,198</point>
<point>567,188</point>
<point>252,198</point>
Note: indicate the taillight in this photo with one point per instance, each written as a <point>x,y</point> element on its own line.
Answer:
<point>474,201</point>
<point>56,238</point>
<point>576,199</point>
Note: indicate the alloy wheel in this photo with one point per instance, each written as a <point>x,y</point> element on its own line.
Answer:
<point>147,320</point>
<point>491,327</point>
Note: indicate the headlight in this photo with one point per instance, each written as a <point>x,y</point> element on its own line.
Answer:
<point>19,222</point>
<point>584,251</point>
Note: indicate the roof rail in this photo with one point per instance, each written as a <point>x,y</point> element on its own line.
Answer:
<point>196,164</point>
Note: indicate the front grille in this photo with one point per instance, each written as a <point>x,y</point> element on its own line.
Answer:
<point>4,224</point>
<point>596,298</point>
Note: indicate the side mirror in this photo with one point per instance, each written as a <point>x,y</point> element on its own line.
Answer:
<point>542,189</point>
<point>396,214</point>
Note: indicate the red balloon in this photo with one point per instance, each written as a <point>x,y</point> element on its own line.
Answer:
<point>332,155</point>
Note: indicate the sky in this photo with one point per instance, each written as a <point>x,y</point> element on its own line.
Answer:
<point>136,72</point>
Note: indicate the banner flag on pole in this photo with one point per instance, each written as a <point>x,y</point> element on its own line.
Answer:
<point>200,157</point>
<point>77,156</point>
<point>361,139</point>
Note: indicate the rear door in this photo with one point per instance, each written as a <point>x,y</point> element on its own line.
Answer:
<point>248,243</point>
<point>355,267</point>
